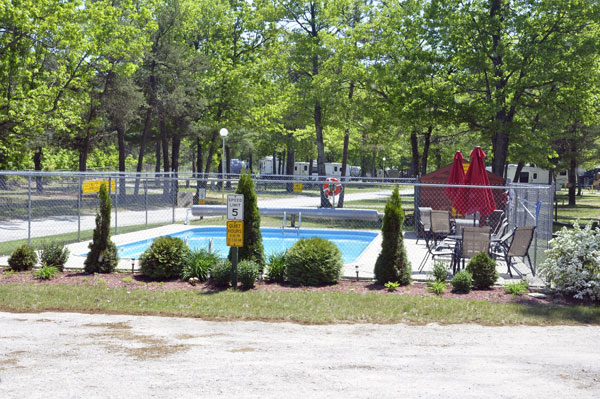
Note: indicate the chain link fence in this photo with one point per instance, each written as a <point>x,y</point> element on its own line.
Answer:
<point>61,206</point>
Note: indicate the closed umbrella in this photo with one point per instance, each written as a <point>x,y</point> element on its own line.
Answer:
<point>470,200</point>
<point>457,175</point>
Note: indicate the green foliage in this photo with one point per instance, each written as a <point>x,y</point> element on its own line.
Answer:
<point>46,272</point>
<point>54,254</point>
<point>165,259</point>
<point>392,263</point>
<point>391,286</point>
<point>102,257</point>
<point>23,258</point>
<point>247,272</point>
<point>483,270</point>
<point>220,275</point>
<point>439,271</point>
<point>276,269</point>
<point>462,282</point>
<point>516,289</point>
<point>127,280</point>
<point>437,287</point>
<point>253,246</point>
<point>313,261</point>
<point>199,264</point>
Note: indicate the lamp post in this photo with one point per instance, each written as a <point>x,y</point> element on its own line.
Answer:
<point>223,132</point>
<point>383,174</point>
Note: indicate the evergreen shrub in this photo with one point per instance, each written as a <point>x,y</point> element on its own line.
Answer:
<point>392,263</point>
<point>165,259</point>
<point>483,270</point>
<point>313,261</point>
<point>220,275</point>
<point>253,246</point>
<point>247,273</point>
<point>462,282</point>
<point>22,258</point>
<point>103,257</point>
<point>54,254</point>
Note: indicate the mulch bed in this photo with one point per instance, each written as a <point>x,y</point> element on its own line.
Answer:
<point>137,281</point>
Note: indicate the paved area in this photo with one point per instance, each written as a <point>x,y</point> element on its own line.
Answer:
<point>69,355</point>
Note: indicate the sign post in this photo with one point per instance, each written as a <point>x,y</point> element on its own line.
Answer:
<point>235,230</point>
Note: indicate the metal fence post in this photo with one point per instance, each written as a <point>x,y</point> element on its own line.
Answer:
<point>146,199</point>
<point>174,195</point>
<point>78,207</point>
<point>29,213</point>
<point>116,203</point>
<point>417,202</point>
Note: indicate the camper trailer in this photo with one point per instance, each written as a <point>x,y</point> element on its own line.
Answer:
<point>529,174</point>
<point>333,169</point>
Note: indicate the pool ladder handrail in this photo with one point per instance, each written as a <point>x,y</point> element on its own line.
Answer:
<point>295,227</point>
<point>210,244</point>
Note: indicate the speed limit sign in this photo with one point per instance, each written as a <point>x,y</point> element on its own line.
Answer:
<point>235,207</point>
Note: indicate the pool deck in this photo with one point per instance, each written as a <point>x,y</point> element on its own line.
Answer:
<point>364,264</point>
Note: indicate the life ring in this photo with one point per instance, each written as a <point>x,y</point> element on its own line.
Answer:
<point>332,183</point>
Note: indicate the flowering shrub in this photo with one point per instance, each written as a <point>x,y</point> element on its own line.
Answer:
<point>573,263</point>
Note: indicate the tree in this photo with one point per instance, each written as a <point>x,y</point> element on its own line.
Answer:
<point>253,246</point>
<point>102,257</point>
<point>392,263</point>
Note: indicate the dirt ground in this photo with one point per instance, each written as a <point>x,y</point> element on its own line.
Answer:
<point>137,281</point>
<point>70,355</point>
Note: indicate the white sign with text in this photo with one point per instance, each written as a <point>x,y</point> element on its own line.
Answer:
<point>235,207</point>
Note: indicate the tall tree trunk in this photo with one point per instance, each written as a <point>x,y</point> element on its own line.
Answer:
<point>274,163</point>
<point>164,140</point>
<point>340,203</point>
<point>147,121</point>
<point>250,163</point>
<point>121,149</point>
<point>37,165</point>
<point>289,168</point>
<point>373,165</point>
<point>516,177</point>
<point>200,182</point>
<point>414,146</point>
<point>211,151</point>
<point>572,172</point>
<point>158,163</point>
<point>227,166</point>
<point>425,154</point>
<point>175,154</point>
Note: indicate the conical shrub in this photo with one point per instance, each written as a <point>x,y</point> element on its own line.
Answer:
<point>102,257</point>
<point>392,263</point>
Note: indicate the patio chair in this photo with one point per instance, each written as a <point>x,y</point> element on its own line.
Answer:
<point>475,240</point>
<point>500,231</point>
<point>522,236</point>
<point>440,225</point>
<point>495,219</point>
<point>439,229</point>
<point>424,223</point>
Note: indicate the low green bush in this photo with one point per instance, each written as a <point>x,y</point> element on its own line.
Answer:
<point>165,259</point>
<point>23,258</point>
<point>437,287</point>
<point>54,254</point>
<point>46,272</point>
<point>276,269</point>
<point>247,272</point>
<point>439,271</point>
<point>220,275</point>
<point>392,285</point>
<point>462,282</point>
<point>516,289</point>
<point>483,270</point>
<point>313,261</point>
<point>199,264</point>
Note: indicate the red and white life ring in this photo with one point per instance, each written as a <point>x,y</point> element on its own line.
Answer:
<point>332,186</point>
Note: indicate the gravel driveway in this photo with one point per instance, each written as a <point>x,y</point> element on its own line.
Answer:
<point>68,355</point>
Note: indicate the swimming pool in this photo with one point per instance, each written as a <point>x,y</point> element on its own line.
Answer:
<point>350,242</point>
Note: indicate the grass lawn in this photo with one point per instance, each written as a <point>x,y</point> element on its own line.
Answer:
<point>294,306</point>
<point>587,206</point>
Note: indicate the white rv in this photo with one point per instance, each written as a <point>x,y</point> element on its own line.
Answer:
<point>529,174</point>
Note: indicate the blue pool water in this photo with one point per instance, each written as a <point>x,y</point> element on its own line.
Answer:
<point>350,243</point>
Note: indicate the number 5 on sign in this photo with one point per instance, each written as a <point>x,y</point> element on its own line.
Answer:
<point>235,207</point>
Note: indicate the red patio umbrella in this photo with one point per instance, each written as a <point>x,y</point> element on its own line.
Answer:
<point>457,175</point>
<point>471,200</point>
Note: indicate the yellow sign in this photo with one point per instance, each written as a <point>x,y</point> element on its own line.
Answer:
<point>93,186</point>
<point>201,202</point>
<point>235,233</point>
<point>465,167</point>
<point>297,187</point>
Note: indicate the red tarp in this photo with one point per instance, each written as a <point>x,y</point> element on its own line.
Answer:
<point>471,200</point>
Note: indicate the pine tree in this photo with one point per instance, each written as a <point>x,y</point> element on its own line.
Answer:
<point>392,263</point>
<point>102,257</point>
<point>253,246</point>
